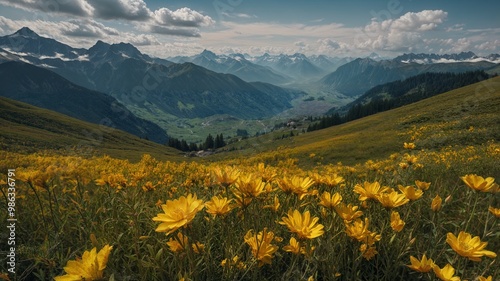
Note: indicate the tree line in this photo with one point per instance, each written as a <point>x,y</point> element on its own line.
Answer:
<point>210,143</point>
<point>401,93</point>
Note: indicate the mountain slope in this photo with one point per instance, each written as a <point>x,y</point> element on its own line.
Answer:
<point>442,120</point>
<point>27,41</point>
<point>297,65</point>
<point>154,89</point>
<point>190,91</point>
<point>43,88</point>
<point>402,92</point>
<point>236,64</point>
<point>360,75</point>
<point>28,129</point>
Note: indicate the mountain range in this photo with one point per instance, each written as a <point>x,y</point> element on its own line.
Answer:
<point>358,76</point>
<point>235,64</point>
<point>278,69</point>
<point>149,87</point>
<point>51,74</point>
<point>43,88</point>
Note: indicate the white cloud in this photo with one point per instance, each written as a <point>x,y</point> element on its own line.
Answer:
<point>73,7</point>
<point>181,22</point>
<point>184,17</point>
<point>400,34</point>
<point>238,15</point>
<point>488,45</point>
<point>175,31</point>
<point>87,28</point>
<point>461,45</point>
<point>331,47</point>
<point>136,10</point>
<point>143,40</point>
<point>455,28</point>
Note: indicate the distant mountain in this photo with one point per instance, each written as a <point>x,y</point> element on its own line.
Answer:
<point>26,42</point>
<point>396,94</point>
<point>43,88</point>
<point>188,90</point>
<point>103,52</point>
<point>446,58</point>
<point>235,64</point>
<point>151,87</point>
<point>297,65</point>
<point>402,92</point>
<point>329,64</point>
<point>362,74</point>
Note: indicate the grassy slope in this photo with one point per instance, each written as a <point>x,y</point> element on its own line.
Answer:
<point>444,119</point>
<point>27,129</point>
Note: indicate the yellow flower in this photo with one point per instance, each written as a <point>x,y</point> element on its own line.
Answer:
<point>411,192</point>
<point>358,229</point>
<point>371,190</point>
<point>148,186</point>
<point>302,224</point>
<point>276,204</point>
<point>262,249</point>
<point>436,203</point>
<point>480,184</point>
<point>267,173</point>
<point>218,206</point>
<point>397,223</point>
<point>294,247</point>
<point>446,273</point>
<point>494,211</point>
<point>330,201</point>
<point>481,278</point>
<point>422,185</point>
<point>403,165</point>
<point>178,245</point>
<point>424,265</point>
<point>348,212</point>
<point>368,251</point>
<point>198,247</point>
<point>296,185</point>
<point>469,247</point>
<point>225,176</point>
<point>409,145</point>
<point>392,199</point>
<point>248,186</point>
<point>411,159</point>
<point>330,180</point>
<point>89,267</point>
<point>178,213</point>
<point>235,261</point>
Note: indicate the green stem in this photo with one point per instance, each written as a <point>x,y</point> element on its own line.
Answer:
<point>472,213</point>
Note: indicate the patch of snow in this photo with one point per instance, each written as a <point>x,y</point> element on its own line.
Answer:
<point>83,58</point>
<point>17,53</point>
<point>57,56</point>
<point>46,65</point>
<point>24,60</point>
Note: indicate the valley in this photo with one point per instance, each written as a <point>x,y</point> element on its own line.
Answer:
<point>190,97</point>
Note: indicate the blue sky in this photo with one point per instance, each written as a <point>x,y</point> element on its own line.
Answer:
<point>336,28</point>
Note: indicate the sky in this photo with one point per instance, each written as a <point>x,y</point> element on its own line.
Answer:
<point>163,28</point>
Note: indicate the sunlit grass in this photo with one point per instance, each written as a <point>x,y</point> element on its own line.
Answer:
<point>67,200</point>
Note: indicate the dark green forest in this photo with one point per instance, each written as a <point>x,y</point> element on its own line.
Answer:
<point>396,94</point>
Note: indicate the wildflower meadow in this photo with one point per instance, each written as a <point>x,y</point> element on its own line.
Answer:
<point>416,215</point>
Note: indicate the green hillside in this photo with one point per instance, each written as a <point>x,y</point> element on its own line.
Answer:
<point>464,116</point>
<point>28,129</point>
